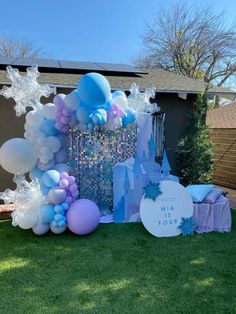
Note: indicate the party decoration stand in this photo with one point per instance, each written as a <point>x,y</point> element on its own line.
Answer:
<point>69,149</point>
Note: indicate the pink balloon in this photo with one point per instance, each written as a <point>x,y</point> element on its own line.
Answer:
<point>65,120</point>
<point>57,195</point>
<point>63,183</point>
<point>83,217</point>
<point>59,125</point>
<point>58,100</point>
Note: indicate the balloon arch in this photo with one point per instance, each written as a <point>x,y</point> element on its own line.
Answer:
<point>50,199</point>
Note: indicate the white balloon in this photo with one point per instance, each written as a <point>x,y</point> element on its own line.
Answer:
<point>53,144</point>
<point>44,150</point>
<point>121,101</point>
<point>34,117</point>
<point>27,220</point>
<point>46,166</point>
<point>71,101</point>
<point>18,156</point>
<point>41,140</point>
<point>57,230</point>
<point>49,111</point>
<point>41,228</point>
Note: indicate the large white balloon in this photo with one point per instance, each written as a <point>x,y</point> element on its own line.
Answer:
<point>18,156</point>
<point>72,101</point>
<point>34,117</point>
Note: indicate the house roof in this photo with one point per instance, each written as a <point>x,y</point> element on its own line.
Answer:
<point>163,81</point>
<point>223,117</point>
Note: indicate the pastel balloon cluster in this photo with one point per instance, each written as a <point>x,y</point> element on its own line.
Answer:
<point>40,131</point>
<point>62,192</point>
<point>92,104</point>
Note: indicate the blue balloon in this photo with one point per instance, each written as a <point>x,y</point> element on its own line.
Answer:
<point>130,117</point>
<point>48,127</point>
<point>94,90</point>
<point>65,205</point>
<point>83,114</point>
<point>99,117</point>
<point>44,189</point>
<point>51,178</point>
<point>35,173</point>
<point>107,105</point>
<point>59,209</point>
<point>118,93</point>
<point>47,213</point>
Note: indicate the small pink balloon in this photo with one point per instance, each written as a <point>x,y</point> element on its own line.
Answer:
<point>111,114</point>
<point>73,188</point>
<point>58,100</point>
<point>120,112</point>
<point>63,183</point>
<point>75,194</point>
<point>59,125</point>
<point>66,112</point>
<point>71,180</point>
<point>114,107</point>
<point>65,175</point>
<point>69,199</point>
<point>65,120</point>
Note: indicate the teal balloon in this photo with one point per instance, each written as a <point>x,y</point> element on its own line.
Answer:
<point>118,93</point>
<point>44,189</point>
<point>94,90</point>
<point>48,127</point>
<point>35,173</point>
<point>51,178</point>
<point>130,117</point>
<point>47,213</point>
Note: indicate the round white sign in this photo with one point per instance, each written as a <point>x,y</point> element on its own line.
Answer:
<point>162,215</point>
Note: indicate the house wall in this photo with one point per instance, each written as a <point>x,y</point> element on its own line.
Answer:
<point>176,111</point>
<point>224,147</point>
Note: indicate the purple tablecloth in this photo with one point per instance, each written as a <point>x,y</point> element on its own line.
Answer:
<point>213,217</point>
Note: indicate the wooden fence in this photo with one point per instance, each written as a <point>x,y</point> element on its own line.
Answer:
<point>224,143</point>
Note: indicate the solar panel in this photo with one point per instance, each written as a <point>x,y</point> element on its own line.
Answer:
<point>64,65</point>
<point>43,63</point>
<point>77,65</point>
<point>112,67</point>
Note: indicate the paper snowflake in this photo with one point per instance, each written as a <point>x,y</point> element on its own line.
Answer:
<point>187,226</point>
<point>25,89</point>
<point>152,191</point>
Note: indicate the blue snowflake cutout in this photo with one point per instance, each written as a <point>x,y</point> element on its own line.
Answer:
<point>187,226</point>
<point>152,191</point>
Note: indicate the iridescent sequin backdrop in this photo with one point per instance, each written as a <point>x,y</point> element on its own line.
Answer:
<point>91,158</point>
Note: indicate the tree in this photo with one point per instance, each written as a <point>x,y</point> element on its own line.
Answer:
<point>192,41</point>
<point>19,48</point>
<point>194,150</point>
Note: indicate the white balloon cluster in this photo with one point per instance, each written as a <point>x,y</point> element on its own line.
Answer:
<point>40,132</point>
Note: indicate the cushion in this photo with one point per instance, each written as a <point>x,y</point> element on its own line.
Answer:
<point>199,191</point>
<point>213,195</point>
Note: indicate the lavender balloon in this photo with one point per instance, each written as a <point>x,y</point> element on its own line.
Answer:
<point>83,217</point>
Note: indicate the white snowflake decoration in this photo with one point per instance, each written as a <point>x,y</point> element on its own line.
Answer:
<point>27,199</point>
<point>25,89</point>
<point>141,101</point>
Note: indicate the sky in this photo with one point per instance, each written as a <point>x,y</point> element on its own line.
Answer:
<point>88,30</point>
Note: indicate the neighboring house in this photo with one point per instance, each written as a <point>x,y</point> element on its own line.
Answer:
<point>175,95</point>
<point>222,122</point>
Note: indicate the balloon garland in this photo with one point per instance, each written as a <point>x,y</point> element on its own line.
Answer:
<point>49,201</point>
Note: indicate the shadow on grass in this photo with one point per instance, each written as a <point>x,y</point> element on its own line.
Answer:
<point>118,268</point>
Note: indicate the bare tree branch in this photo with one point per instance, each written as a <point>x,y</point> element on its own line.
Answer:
<point>190,40</point>
<point>19,48</point>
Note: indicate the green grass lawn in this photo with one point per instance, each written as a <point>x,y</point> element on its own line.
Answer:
<point>119,268</point>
